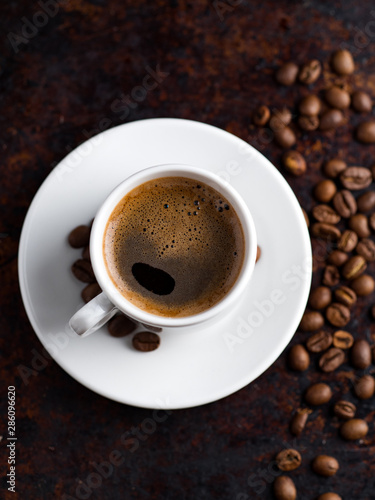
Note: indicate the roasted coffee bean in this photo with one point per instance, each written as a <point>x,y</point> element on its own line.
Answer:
<point>310,105</point>
<point>371,221</point>
<point>366,248</point>
<point>345,295</point>
<point>287,73</point>
<point>332,359</point>
<point>285,137</point>
<point>329,496</point>
<point>146,341</point>
<point>310,72</point>
<point>325,190</point>
<point>361,102</point>
<point>79,237</point>
<point>366,132</point>
<point>356,178</point>
<point>359,224</point>
<point>299,358</point>
<point>86,253</point>
<point>344,409</point>
<point>319,342</point>
<point>342,339</point>
<point>120,326</point>
<point>294,162</point>
<point>325,231</point>
<point>337,258</point>
<point>363,285</point>
<point>299,420</point>
<point>344,203</point>
<point>342,62</point>
<point>353,429</point>
<point>337,97</point>
<point>318,394</point>
<point>90,291</point>
<point>306,217</point>
<point>311,320</point>
<point>364,387</point>
<point>348,241</point>
<point>288,459</point>
<point>366,202</point>
<point>334,167</point>
<point>261,116</point>
<point>324,465</point>
<point>331,276</point>
<point>284,488</point>
<point>338,314</point>
<point>259,253</point>
<point>82,270</point>
<point>331,119</point>
<point>308,123</point>
<point>354,267</point>
<point>324,213</point>
<point>360,354</point>
<point>320,297</point>
<point>280,119</point>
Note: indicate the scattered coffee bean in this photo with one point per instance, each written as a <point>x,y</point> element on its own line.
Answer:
<point>361,102</point>
<point>261,116</point>
<point>342,339</point>
<point>329,496</point>
<point>319,342</point>
<point>337,258</point>
<point>311,320</point>
<point>363,285</point>
<point>299,421</point>
<point>366,202</point>
<point>120,326</point>
<point>371,221</point>
<point>299,358</point>
<point>287,73</point>
<point>331,360</point>
<point>308,123</point>
<point>318,394</point>
<point>284,488</point>
<point>359,224</point>
<point>331,119</point>
<point>345,295</point>
<point>348,241</point>
<point>344,409</point>
<point>324,465</point>
<point>337,97</point>
<point>366,248</point>
<point>366,132</point>
<point>354,267</point>
<point>356,178</point>
<point>361,354</point>
<point>331,276</point>
<point>325,231</point>
<point>285,137</point>
<point>344,203</point>
<point>146,341</point>
<point>310,105</point>
<point>320,297</point>
<point>79,237</point>
<point>90,291</point>
<point>288,459</point>
<point>280,119</point>
<point>334,167</point>
<point>338,314</point>
<point>310,72</point>
<point>353,429</point>
<point>324,213</point>
<point>86,253</point>
<point>325,190</point>
<point>83,271</point>
<point>259,253</point>
<point>294,162</point>
<point>364,387</point>
<point>342,62</point>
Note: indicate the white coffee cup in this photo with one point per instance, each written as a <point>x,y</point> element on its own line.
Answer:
<point>102,308</point>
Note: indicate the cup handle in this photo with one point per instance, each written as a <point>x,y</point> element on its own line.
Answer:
<point>93,315</point>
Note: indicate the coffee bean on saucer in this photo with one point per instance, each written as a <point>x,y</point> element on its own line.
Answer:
<point>308,123</point>
<point>79,237</point>
<point>331,276</point>
<point>287,73</point>
<point>311,320</point>
<point>86,253</point>
<point>325,190</point>
<point>319,342</point>
<point>325,213</point>
<point>338,314</point>
<point>366,248</point>
<point>310,105</point>
<point>344,203</point>
<point>299,420</point>
<point>345,295</point>
<point>120,326</point>
<point>347,241</point>
<point>146,341</point>
<point>337,258</point>
<point>364,387</point>
<point>344,409</point>
<point>324,465</point>
<point>329,496</point>
<point>83,271</point>
<point>366,202</point>
<point>354,429</point>
<point>337,97</point>
<point>280,119</point>
<point>261,116</point>
<point>331,359</point>
<point>361,102</point>
<point>259,253</point>
<point>366,132</point>
<point>90,291</point>
<point>284,488</point>
<point>320,297</point>
<point>334,167</point>
<point>325,231</point>
<point>294,162</point>
<point>288,459</point>
<point>318,394</point>
<point>310,72</point>
<point>342,339</point>
<point>285,137</point>
<point>331,119</point>
<point>342,62</point>
<point>356,178</point>
<point>298,358</point>
<point>354,267</point>
<point>360,354</point>
<point>359,224</point>
<point>363,285</point>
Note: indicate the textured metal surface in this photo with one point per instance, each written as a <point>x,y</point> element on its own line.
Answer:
<point>63,82</point>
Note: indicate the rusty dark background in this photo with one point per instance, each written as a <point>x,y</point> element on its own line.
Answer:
<point>61,80</point>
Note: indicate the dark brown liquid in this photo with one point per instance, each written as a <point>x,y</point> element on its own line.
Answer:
<point>174,246</point>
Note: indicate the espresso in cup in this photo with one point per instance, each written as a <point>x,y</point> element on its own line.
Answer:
<point>174,246</point>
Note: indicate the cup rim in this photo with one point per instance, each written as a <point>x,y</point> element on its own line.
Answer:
<point>155,172</point>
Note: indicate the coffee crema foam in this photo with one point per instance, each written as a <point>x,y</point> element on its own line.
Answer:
<point>182,228</point>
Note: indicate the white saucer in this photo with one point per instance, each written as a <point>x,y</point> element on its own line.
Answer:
<point>189,368</point>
